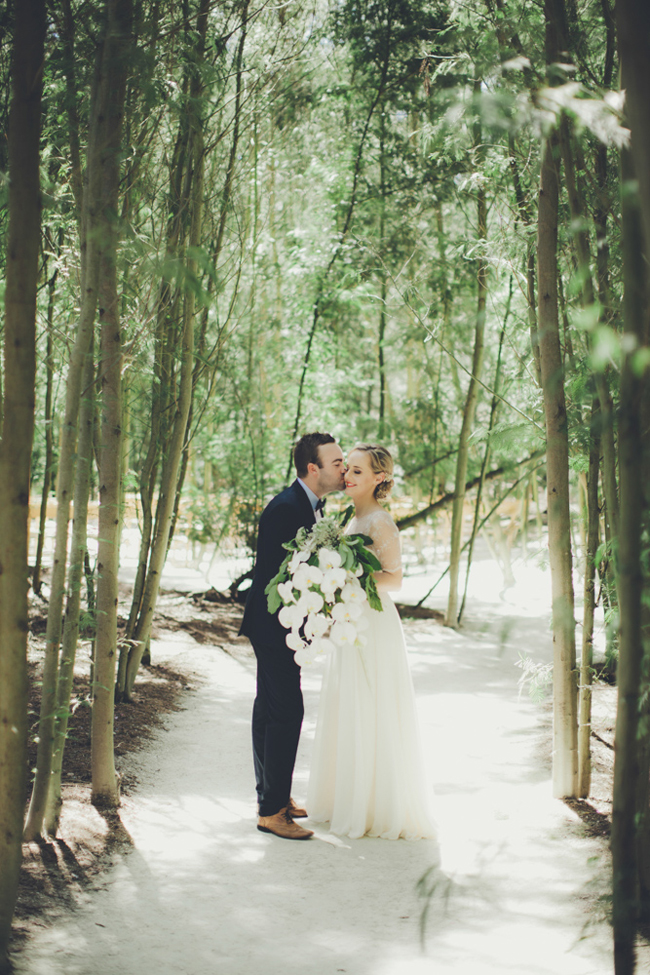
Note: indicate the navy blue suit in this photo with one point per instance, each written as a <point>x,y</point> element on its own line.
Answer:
<point>278,709</point>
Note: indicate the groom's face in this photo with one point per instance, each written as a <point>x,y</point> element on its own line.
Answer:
<point>330,473</point>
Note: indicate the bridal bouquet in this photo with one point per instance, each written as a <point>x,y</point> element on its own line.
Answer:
<point>321,588</point>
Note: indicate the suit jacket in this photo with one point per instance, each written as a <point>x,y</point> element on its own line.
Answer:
<point>280,521</point>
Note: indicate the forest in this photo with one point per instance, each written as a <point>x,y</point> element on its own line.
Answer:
<point>423,223</point>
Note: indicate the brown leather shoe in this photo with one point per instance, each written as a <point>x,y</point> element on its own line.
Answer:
<point>296,812</point>
<point>281,824</point>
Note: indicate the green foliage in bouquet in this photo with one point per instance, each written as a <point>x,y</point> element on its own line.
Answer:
<point>328,533</point>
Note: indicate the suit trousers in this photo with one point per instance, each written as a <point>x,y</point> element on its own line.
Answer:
<point>277,719</point>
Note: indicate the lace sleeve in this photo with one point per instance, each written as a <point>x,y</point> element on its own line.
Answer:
<point>386,542</point>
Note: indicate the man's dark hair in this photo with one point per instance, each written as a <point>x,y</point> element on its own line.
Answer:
<point>306,451</point>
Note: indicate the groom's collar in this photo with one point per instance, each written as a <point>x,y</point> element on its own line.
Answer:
<point>313,498</point>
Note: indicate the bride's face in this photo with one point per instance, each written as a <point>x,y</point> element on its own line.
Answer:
<point>360,479</point>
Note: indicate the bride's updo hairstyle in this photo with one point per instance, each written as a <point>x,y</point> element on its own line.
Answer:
<point>381,462</point>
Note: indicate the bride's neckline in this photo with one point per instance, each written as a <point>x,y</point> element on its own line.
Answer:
<point>367,514</point>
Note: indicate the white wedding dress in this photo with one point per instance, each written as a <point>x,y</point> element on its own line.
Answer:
<point>367,772</point>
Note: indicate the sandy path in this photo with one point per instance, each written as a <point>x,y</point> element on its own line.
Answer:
<point>515,884</point>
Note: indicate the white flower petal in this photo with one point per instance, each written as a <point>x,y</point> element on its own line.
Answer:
<point>328,559</point>
<point>352,592</point>
<point>347,612</point>
<point>307,576</point>
<point>297,559</point>
<point>343,634</point>
<point>291,616</point>
<point>333,579</point>
<point>317,625</point>
<point>312,600</point>
<point>285,592</point>
<point>294,642</point>
<point>303,657</point>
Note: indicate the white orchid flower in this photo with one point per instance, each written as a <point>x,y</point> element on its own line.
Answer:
<point>290,616</point>
<point>304,656</point>
<point>333,579</point>
<point>307,576</point>
<point>296,560</point>
<point>328,559</point>
<point>294,641</point>
<point>285,592</point>
<point>346,612</point>
<point>343,633</point>
<point>352,592</point>
<point>310,602</point>
<point>321,645</point>
<point>317,625</point>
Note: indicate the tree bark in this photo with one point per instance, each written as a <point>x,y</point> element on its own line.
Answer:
<point>630,446</point>
<point>17,437</point>
<point>117,49</point>
<point>49,434</point>
<point>589,591</point>
<point>557,472</point>
<point>565,730</point>
<point>583,256</point>
<point>633,21</point>
<point>78,545</point>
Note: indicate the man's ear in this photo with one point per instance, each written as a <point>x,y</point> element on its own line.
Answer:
<point>313,469</point>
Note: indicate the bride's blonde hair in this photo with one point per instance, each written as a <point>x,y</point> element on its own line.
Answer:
<point>381,462</point>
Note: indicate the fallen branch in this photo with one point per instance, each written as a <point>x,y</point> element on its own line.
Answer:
<point>449,497</point>
<point>487,517</point>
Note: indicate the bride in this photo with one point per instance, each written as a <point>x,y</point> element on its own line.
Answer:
<point>367,774</point>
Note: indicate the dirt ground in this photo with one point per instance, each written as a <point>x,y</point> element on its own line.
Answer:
<point>55,874</point>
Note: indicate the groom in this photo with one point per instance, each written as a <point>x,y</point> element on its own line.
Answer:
<point>278,708</point>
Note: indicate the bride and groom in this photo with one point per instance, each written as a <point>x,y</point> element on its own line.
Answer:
<point>367,773</point>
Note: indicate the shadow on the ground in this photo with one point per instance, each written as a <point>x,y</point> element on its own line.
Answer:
<point>596,823</point>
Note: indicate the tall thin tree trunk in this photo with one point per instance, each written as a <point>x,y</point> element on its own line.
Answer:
<point>17,437</point>
<point>630,446</point>
<point>565,725</point>
<point>117,49</point>
<point>586,657</point>
<point>458,508</point>
<point>583,255</point>
<point>381,337</point>
<point>36,813</point>
<point>604,418</point>
<point>49,434</point>
<point>633,21</point>
<point>486,458</point>
<point>78,544</point>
